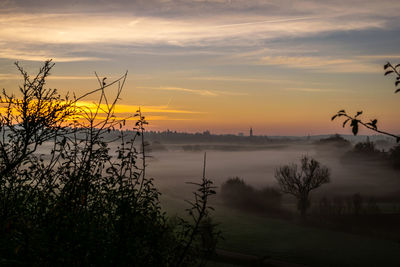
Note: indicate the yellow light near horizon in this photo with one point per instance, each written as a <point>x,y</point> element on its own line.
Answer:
<point>129,109</point>
<point>85,111</point>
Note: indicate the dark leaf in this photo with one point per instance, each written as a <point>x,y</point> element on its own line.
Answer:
<point>373,124</point>
<point>398,65</point>
<point>359,113</point>
<point>396,83</point>
<point>344,123</point>
<point>341,111</point>
<point>334,117</point>
<point>388,72</point>
<point>354,125</point>
<point>387,65</point>
<point>398,90</point>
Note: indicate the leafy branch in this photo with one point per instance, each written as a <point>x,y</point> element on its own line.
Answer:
<point>390,69</point>
<point>355,121</point>
<point>199,211</point>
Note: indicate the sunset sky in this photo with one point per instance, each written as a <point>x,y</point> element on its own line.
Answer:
<point>281,67</point>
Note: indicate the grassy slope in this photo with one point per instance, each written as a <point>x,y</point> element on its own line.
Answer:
<point>289,242</point>
<point>293,243</point>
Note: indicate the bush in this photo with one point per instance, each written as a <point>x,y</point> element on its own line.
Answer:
<point>347,205</point>
<point>394,157</point>
<point>364,151</point>
<point>80,205</point>
<point>335,140</point>
<point>236,193</point>
<point>366,148</point>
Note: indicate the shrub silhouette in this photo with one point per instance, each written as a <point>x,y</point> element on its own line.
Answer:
<point>394,156</point>
<point>79,204</point>
<point>300,182</point>
<point>271,198</point>
<point>347,205</point>
<point>364,151</point>
<point>335,140</point>
<point>365,148</point>
<point>236,193</point>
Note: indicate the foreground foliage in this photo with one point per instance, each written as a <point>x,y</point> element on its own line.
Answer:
<point>67,199</point>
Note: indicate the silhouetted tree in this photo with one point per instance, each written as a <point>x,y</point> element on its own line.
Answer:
<point>30,118</point>
<point>355,120</point>
<point>300,181</point>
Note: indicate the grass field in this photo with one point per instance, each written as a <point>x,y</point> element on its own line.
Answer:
<point>290,242</point>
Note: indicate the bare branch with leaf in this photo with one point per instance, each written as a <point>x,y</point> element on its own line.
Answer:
<point>354,121</point>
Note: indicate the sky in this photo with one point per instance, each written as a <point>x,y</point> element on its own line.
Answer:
<point>281,67</point>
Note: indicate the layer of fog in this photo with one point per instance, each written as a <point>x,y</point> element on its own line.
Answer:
<point>172,169</point>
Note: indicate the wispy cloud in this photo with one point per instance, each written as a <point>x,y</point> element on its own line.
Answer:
<point>106,28</point>
<point>62,77</point>
<point>220,24</point>
<point>322,64</point>
<point>131,109</point>
<point>126,112</point>
<point>5,76</point>
<point>244,79</point>
<point>199,8</point>
<point>195,91</point>
<point>149,118</point>
<point>39,55</point>
<point>310,90</point>
<point>380,56</point>
<point>186,90</point>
